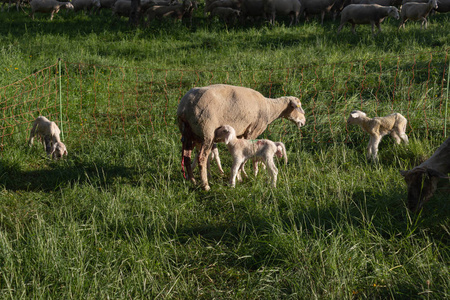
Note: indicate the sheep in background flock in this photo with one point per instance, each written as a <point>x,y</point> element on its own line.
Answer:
<point>202,110</point>
<point>243,149</point>
<point>85,5</point>
<point>49,132</point>
<point>372,14</point>
<point>316,7</point>
<point>284,8</point>
<point>417,12</point>
<point>48,6</point>
<point>394,124</point>
<point>422,180</point>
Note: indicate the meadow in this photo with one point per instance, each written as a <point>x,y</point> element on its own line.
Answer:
<point>116,219</point>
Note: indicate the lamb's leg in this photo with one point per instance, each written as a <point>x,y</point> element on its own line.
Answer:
<point>272,170</point>
<point>32,134</point>
<point>376,142</point>
<point>215,155</point>
<point>369,148</point>
<point>395,136</point>
<point>237,163</point>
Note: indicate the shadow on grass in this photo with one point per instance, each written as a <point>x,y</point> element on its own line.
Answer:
<point>59,174</point>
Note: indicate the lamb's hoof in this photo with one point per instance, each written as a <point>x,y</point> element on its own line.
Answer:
<point>206,188</point>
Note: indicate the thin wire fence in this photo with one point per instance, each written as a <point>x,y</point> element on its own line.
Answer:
<point>89,101</point>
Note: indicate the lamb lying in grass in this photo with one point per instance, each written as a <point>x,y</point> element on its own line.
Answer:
<point>394,124</point>
<point>243,149</point>
<point>49,132</point>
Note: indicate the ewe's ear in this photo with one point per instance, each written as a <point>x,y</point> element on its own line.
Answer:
<point>295,103</point>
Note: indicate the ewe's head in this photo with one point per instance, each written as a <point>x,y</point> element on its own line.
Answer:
<point>224,134</point>
<point>355,117</point>
<point>295,112</point>
<point>422,184</point>
<point>393,12</point>
<point>58,150</point>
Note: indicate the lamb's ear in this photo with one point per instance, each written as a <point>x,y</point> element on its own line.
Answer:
<point>434,173</point>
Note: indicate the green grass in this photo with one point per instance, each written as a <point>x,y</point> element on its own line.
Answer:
<point>117,220</point>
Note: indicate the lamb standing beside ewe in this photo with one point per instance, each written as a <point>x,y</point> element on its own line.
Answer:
<point>49,132</point>
<point>372,14</point>
<point>394,124</point>
<point>48,6</point>
<point>417,12</point>
<point>422,180</point>
<point>243,149</point>
<point>202,110</point>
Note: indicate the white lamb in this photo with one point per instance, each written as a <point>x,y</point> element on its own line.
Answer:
<point>49,132</point>
<point>417,12</point>
<point>394,124</point>
<point>48,6</point>
<point>243,149</point>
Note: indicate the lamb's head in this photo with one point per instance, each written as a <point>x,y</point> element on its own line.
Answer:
<point>355,117</point>
<point>422,183</point>
<point>224,134</point>
<point>295,112</point>
<point>68,6</point>
<point>58,150</point>
<point>393,12</point>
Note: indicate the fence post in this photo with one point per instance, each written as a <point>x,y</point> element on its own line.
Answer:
<point>60,99</point>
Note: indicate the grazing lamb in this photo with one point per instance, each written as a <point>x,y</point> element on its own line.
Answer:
<point>48,6</point>
<point>243,149</point>
<point>282,7</point>
<point>372,14</point>
<point>394,124</point>
<point>210,6</point>
<point>226,14</point>
<point>417,12</point>
<point>49,132</point>
<point>422,180</point>
<point>202,110</point>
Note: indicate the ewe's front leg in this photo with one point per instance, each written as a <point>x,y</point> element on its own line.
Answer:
<point>203,164</point>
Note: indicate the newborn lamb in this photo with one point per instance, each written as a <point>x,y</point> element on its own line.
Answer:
<point>243,149</point>
<point>394,124</point>
<point>49,132</point>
